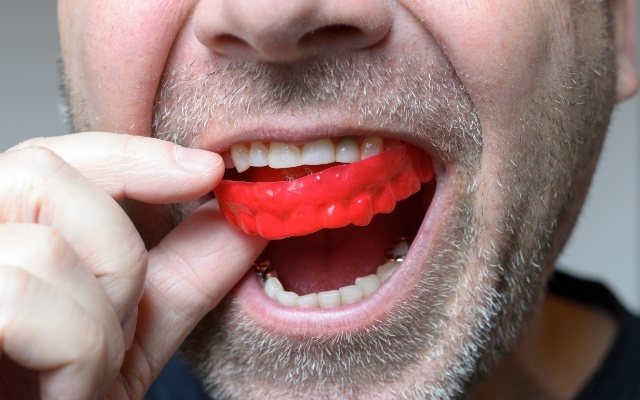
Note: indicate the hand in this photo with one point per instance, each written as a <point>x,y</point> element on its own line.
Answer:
<point>85,310</point>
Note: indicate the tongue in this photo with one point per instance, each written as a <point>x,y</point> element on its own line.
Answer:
<point>332,258</point>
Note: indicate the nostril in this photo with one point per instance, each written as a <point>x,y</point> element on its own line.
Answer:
<point>227,39</point>
<point>329,34</point>
<point>332,30</point>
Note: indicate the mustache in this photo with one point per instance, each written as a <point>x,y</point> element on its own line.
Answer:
<point>406,94</point>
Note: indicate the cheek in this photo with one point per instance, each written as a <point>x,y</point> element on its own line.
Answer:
<point>115,52</point>
<point>500,49</point>
<point>505,53</point>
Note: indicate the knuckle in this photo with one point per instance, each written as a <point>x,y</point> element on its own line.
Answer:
<point>15,284</point>
<point>27,177</point>
<point>36,141</point>
<point>52,246</point>
<point>29,168</point>
<point>16,287</point>
<point>35,246</point>
<point>40,157</point>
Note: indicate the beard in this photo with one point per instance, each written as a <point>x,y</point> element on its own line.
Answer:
<point>487,275</point>
<point>486,278</point>
<point>232,355</point>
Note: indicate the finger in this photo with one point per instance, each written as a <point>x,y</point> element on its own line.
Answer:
<point>190,271</point>
<point>38,187</point>
<point>72,349</point>
<point>44,254</point>
<point>140,168</point>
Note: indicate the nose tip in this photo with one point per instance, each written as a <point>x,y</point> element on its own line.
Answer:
<point>284,31</point>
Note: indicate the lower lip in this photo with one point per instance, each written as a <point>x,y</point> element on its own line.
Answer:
<point>253,300</point>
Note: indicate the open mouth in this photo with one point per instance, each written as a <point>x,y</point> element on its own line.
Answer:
<point>338,241</point>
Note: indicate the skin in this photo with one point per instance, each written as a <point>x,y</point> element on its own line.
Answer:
<point>117,281</point>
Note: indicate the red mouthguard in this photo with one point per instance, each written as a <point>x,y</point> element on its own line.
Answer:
<point>332,198</point>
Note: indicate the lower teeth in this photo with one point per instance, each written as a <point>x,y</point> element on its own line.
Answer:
<point>362,288</point>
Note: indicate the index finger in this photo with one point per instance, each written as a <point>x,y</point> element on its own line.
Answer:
<point>141,168</point>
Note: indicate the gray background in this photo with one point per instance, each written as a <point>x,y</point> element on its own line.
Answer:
<point>605,245</point>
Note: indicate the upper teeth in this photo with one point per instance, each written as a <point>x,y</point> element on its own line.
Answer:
<point>286,155</point>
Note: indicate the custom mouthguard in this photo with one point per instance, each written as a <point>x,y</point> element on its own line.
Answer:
<point>332,198</point>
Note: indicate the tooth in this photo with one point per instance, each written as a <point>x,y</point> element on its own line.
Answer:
<point>258,155</point>
<point>368,283</point>
<point>308,301</point>
<point>284,155</point>
<point>387,269</point>
<point>318,152</point>
<point>350,294</point>
<point>371,146</point>
<point>272,286</point>
<point>287,298</point>
<point>330,298</point>
<point>347,151</point>
<point>400,250</point>
<point>240,157</point>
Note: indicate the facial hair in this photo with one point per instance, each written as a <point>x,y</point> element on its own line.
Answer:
<point>233,356</point>
<point>432,346</point>
<point>457,324</point>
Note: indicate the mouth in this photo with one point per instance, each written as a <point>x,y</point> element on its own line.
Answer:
<point>320,276</point>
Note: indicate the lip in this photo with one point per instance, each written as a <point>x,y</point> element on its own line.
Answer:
<point>272,316</point>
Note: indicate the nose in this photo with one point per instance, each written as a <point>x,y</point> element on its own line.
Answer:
<point>289,30</point>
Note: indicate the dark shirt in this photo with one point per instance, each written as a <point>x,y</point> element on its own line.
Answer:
<point>176,382</point>
<point>617,379</point>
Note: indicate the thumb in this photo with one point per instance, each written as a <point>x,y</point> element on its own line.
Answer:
<point>190,271</point>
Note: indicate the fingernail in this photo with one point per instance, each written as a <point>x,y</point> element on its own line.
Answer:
<point>195,160</point>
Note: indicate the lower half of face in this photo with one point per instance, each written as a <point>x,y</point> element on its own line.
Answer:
<point>420,301</point>
<point>482,237</point>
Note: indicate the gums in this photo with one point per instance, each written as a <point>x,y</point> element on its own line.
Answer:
<point>331,198</point>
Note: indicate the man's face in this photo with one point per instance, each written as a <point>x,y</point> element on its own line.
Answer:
<point>510,100</point>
